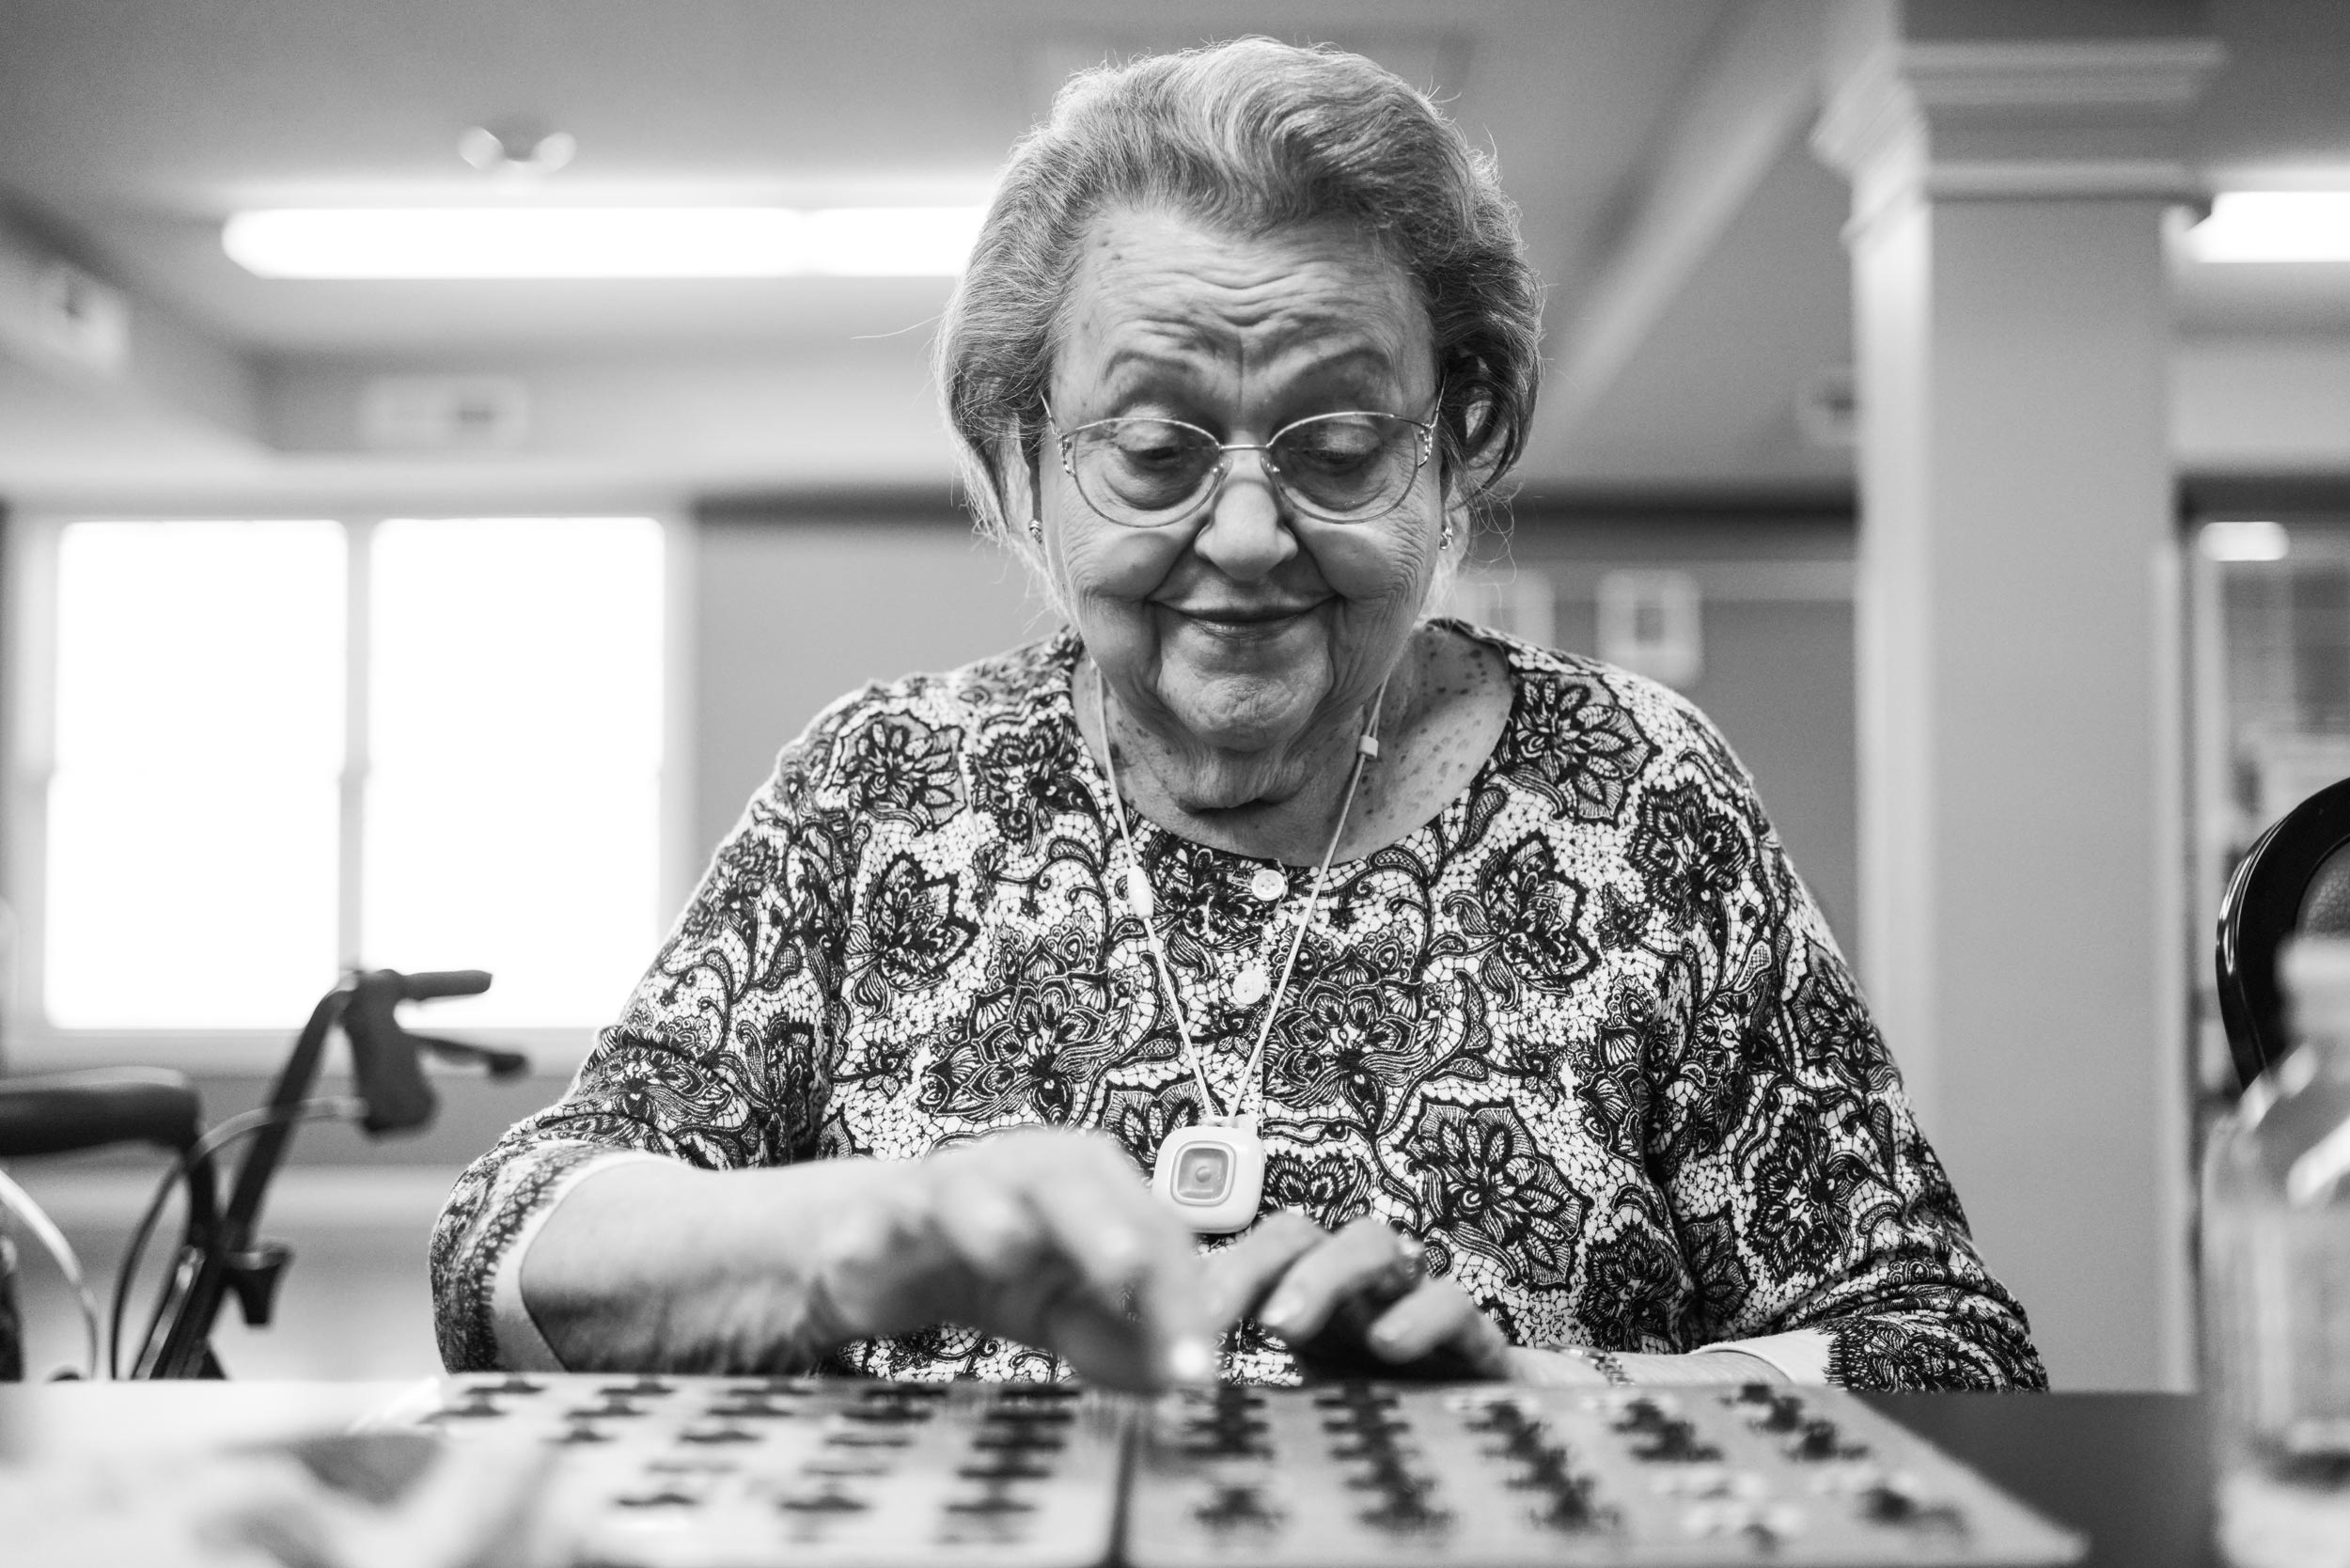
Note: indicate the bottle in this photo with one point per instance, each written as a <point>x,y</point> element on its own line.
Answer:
<point>2277,1285</point>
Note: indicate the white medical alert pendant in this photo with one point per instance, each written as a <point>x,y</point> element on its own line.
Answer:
<point>1250,984</point>
<point>1214,1174</point>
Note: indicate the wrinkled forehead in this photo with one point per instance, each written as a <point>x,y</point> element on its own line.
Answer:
<point>1161,304</point>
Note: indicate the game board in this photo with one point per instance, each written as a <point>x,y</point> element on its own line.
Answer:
<point>691,1472</point>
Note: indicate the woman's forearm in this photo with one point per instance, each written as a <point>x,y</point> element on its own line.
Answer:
<point>1043,1235</point>
<point>655,1264</point>
<point>1710,1366</point>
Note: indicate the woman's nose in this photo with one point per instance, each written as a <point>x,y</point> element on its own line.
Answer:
<point>1246,533</point>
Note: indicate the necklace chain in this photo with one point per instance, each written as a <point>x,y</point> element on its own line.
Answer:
<point>1143,902</point>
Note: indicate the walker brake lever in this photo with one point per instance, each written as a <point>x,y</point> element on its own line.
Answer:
<point>499,1063</point>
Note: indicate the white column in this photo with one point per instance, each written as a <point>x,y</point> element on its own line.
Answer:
<point>2019,768</point>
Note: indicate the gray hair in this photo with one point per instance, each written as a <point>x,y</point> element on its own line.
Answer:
<point>1250,135</point>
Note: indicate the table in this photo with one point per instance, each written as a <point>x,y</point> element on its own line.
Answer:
<point>63,1420</point>
<point>2131,1470</point>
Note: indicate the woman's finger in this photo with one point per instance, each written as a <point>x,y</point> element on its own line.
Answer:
<point>1366,1258</point>
<point>991,1229</point>
<point>1112,1348</point>
<point>1241,1276</point>
<point>1100,1218</point>
<point>1133,1253</point>
<point>1436,1315</point>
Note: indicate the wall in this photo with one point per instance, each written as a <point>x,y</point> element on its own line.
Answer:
<point>799,604</point>
<point>2262,405</point>
<point>1776,607</point>
<point>796,608</point>
<point>794,604</point>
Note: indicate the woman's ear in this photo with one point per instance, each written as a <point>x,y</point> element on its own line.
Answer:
<point>1457,486</point>
<point>1452,502</point>
<point>1017,491</point>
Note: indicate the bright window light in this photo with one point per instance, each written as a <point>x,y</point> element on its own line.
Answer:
<point>2244,542</point>
<point>2274,225</point>
<point>192,815</point>
<point>601,241</point>
<point>514,720</point>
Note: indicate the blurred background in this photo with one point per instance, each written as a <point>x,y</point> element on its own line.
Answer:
<point>432,589</point>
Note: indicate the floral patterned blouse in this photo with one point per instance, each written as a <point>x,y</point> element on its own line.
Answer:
<point>1584,1033</point>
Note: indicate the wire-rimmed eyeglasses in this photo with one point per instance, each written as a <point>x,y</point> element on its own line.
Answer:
<point>1145,472</point>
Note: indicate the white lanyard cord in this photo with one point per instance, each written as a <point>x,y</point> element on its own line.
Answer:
<point>1138,894</point>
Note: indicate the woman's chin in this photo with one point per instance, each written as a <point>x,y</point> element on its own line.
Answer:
<point>1261,724</point>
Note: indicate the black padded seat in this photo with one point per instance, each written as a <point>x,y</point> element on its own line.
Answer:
<point>55,1113</point>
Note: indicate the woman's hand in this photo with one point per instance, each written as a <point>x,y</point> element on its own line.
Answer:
<point>1359,1296</point>
<point>1044,1236</point>
<point>1047,1236</point>
<point>1355,1291</point>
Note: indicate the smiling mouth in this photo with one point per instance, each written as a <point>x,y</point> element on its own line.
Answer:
<point>1238,619</point>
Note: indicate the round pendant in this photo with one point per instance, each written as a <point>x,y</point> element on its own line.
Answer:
<point>1250,984</point>
<point>1268,885</point>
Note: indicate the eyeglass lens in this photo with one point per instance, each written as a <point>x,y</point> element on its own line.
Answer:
<point>1338,467</point>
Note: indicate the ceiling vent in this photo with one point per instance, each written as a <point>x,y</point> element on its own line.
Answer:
<point>1519,601</point>
<point>1651,624</point>
<point>1827,409</point>
<point>444,413</point>
<point>80,317</point>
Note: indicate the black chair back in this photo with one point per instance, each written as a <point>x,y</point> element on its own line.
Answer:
<point>2295,880</point>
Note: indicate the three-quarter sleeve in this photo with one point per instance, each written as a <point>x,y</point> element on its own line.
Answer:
<point>1808,1201</point>
<point>713,1062</point>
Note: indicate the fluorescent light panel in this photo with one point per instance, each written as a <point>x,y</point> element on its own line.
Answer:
<point>601,241</point>
<point>2245,542</point>
<point>2274,225</point>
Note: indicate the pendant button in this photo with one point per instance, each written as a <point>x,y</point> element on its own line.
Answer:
<point>1268,885</point>
<point>1249,985</point>
<point>1213,1175</point>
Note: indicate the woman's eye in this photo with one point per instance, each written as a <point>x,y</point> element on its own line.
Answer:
<point>1155,450</point>
<point>1331,450</point>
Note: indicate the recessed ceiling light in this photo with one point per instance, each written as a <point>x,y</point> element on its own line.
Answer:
<point>2244,542</point>
<point>513,152</point>
<point>601,241</point>
<point>2274,225</point>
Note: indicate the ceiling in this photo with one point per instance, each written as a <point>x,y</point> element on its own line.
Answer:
<point>137,128</point>
<point>129,129</point>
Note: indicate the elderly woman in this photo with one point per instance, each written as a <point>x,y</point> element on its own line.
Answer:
<point>1466,978</point>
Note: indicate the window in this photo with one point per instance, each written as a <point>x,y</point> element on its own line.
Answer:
<point>2269,624</point>
<point>192,809</point>
<point>254,753</point>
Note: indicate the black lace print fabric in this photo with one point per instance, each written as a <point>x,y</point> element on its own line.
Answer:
<point>1584,1033</point>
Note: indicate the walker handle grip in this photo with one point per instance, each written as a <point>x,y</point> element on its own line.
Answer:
<point>423,987</point>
